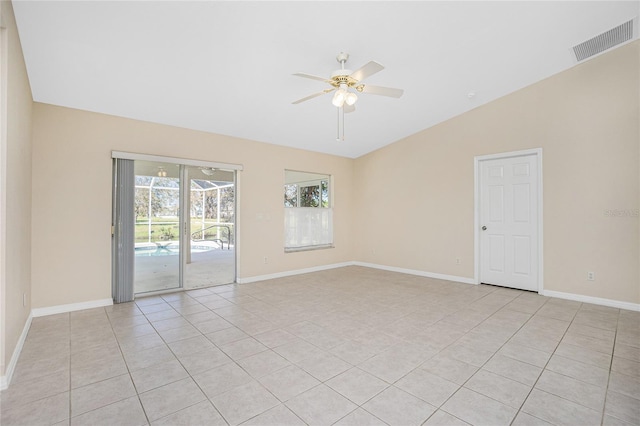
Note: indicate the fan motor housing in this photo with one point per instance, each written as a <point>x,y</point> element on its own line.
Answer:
<point>339,77</point>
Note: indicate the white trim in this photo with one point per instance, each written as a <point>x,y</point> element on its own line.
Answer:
<point>71,307</point>
<point>435,275</point>
<point>595,300</point>
<point>174,160</point>
<point>556,294</point>
<point>6,379</point>
<point>537,152</point>
<point>511,154</point>
<point>309,248</point>
<point>237,225</point>
<point>293,272</point>
<point>4,44</point>
<point>160,292</point>
<point>419,273</point>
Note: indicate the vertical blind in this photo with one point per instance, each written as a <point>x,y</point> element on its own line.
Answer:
<point>307,227</point>
<point>123,230</point>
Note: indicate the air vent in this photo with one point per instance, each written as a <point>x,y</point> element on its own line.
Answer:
<point>604,41</point>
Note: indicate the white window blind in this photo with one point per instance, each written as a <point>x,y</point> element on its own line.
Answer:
<point>307,228</point>
<point>122,267</point>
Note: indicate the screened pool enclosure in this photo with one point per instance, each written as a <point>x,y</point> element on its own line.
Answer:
<point>208,196</point>
<point>157,205</point>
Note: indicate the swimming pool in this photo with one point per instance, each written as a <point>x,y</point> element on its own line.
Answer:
<point>171,249</point>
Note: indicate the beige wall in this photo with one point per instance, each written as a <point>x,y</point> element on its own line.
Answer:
<point>72,198</point>
<point>15,266</point>
<point>586,120</point>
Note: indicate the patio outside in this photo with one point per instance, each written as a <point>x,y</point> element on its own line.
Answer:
<point>210,255</point>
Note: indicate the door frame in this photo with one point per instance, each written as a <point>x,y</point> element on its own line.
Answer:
<point>537,152</point>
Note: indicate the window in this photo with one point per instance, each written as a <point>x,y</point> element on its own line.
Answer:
<point>308,216</point>
<point>307,194</point>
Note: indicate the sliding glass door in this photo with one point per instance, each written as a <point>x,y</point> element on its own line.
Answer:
<point>174,227</point>
<point>157,226</point>
<point>210,259</point>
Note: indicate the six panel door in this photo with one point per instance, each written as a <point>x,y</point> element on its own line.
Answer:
<point>509,222</point>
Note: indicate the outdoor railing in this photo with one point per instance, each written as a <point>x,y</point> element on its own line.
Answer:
<point>202,235</point>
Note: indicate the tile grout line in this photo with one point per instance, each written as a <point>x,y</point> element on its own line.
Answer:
<point>358,406</point>
<point>144,411</point>
<point>480,368</point>
<point>233,360</point>
<point>70,354</point>
<point>182,365</point>
<point>293,364</point>
<point>453,343</point>
<point>443,349</point>
<point>606,392</point>
<point>545,365</point>
<point>576,361</point>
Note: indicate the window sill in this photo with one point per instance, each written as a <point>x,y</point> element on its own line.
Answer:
<point>308,248</point>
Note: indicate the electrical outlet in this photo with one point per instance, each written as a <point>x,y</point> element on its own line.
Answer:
<point>265,260</point>
<point>591,276</point>
<point>24,299</point>
<point>458,262</point>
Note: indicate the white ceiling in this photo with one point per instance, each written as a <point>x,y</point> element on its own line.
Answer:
<point>225,67</point>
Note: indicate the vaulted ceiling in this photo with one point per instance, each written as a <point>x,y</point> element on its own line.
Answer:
<point>226,66</point>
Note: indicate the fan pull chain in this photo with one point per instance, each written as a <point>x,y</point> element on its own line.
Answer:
<point>340,124</point>
<point>342,110</point>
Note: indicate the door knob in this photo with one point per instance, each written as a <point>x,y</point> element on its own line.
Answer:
<point>484,228</point>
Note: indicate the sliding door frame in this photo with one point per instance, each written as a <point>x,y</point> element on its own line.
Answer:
<point>175,160</point>
<point>184,203</point>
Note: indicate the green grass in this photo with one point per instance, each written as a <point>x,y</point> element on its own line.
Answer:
<point>163,229</point>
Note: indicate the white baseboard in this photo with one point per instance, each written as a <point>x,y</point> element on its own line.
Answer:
<point>61,309</point>
<point>560,295</point>
<point>454,278</point>
<point>595,300</point>
<point>6,379</point>
<point>256,278</point>
<point>40,312</point>
<point>253,279</point>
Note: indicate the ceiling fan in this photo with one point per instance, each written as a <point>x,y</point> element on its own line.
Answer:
<point>346,83</point>
<point>209,171</point>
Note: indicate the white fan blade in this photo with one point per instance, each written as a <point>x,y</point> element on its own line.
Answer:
<point>313,77</point>
<point>348,108</point>
<point>366,70</point>
<point>384,91</point>
<point>315,95</point>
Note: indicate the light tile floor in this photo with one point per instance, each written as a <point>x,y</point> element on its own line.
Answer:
<point>350,346</point>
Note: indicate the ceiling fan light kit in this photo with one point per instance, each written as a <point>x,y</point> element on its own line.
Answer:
<point>209,171</point>
<point>350,98</point>
<point>345,83</point>
<point>343,96</point>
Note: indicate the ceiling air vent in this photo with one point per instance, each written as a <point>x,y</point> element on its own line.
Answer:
<point>604,41</point>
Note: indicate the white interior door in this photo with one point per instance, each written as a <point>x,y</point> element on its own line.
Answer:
<point>509,222</point>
